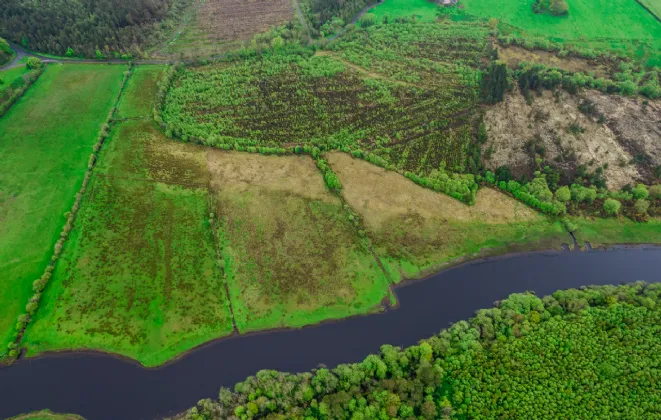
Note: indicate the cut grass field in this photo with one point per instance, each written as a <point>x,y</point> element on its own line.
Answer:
<point>139,275</point>
<point>45,141</point>
<point>423,10</point>
<point>415,230</point>
<point>291,255</point>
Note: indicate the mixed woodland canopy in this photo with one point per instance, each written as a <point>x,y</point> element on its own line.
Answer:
<point>112,27</point>
<point>588,353</point>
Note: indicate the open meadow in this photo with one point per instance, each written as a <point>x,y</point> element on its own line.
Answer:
<point>45,142</point>
<point>139,275</point>
<point>415,231</point>
<point>291,255</point>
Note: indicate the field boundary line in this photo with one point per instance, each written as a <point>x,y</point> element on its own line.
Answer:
<point>359,227</point>
<point>23,320</point>
<point>213,221</point>
<point>650,12</point>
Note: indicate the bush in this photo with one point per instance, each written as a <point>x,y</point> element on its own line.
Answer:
<point>655,191</point>
<point>563,194</point>
<point>640,192</point>
<point>33,63</point>
<point>641,206</point>
<point>612,206</point>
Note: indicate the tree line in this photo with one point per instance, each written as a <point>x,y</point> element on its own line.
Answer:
<point>588,353</point>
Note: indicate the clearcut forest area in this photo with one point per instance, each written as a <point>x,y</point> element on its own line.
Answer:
<point>179,171</point>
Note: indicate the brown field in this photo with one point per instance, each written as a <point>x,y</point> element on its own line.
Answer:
<point>414,230</point>
<point>614,143</point>
<point>217,26</point>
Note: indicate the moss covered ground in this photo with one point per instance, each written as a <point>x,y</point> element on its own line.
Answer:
<point>45,141</point>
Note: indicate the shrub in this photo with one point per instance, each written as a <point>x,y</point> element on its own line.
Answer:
<point>612,206</point>
<point>563,194</point>
<point>640,192</point>
<point>655,191</point>
<point>641,206</point>
<point>33,63</point>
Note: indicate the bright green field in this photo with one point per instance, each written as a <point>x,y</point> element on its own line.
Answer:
<point>139,275</point>
<point>423,10</point>
<point>45,141</point>
<point>617,231</point>
<point>616,25</point>
<point>654,6</point>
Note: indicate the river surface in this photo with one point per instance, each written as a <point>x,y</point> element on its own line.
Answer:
<point>101,387</point>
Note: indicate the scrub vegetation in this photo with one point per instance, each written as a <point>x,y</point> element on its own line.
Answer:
<point>44,153</point>
<point>415,231</point>
<point>290,253</point>
<point>46,415</point>
<point>583,353</point>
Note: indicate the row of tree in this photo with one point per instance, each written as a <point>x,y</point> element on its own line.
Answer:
<point>6,52</point>
<point>589,353</point>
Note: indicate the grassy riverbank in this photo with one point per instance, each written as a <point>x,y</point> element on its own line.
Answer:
<point>607,232</point>
<point>46,415</point>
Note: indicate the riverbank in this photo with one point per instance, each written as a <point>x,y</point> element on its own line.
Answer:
<point>109,388</point>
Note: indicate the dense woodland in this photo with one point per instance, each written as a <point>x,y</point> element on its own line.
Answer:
<point>93,28</point>
<point>334,13</point>
<point>5,52</point>
<point>588,353</point>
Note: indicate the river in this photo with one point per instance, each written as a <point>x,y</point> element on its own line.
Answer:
<point>101,387</point>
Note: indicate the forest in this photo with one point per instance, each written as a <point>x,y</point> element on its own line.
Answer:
<point>95,29</point>
<point>587,353</point>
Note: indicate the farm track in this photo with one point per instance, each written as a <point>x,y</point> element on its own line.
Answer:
<point>304,22</point>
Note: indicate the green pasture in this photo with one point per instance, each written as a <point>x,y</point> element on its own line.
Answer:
<point>45,142</point>
<point>423,10</point>
<point>139,275</point>
<point>611,231</point>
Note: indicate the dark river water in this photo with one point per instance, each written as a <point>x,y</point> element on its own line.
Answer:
<point>101,387</point>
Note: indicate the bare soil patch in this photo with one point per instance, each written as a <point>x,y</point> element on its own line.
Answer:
<point>512,123</point>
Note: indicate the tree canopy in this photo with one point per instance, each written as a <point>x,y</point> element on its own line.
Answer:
<point>588,353</point>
